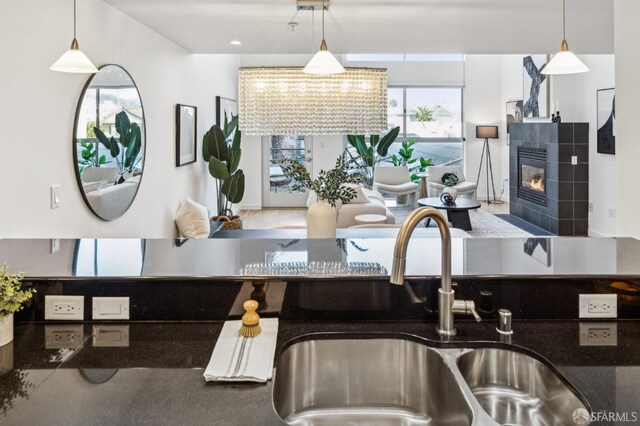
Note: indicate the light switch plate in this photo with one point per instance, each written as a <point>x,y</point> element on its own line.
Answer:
<point>598,305</point>
<point>110,308</point>
<point>55,196</point>
<point>111,336</point>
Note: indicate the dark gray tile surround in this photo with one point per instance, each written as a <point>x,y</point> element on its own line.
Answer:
<point>566,212</point>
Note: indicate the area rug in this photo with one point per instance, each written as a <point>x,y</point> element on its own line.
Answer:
<point>484,224</point>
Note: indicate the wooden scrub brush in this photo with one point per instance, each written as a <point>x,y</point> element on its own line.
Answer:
<point>250,320</point>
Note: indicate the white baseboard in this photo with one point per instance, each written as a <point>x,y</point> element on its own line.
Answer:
<point>251,207</point>
<point>597,234</point>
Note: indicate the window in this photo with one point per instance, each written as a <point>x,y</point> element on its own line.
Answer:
<point>431,115</point>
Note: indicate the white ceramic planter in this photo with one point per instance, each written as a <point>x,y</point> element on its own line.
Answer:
<point>6,329</point>
<point>321,220</point>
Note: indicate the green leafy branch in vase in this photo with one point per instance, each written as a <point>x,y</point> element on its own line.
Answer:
<point>329,186</point>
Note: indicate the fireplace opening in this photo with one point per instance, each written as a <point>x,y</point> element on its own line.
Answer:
<point>532,167</point>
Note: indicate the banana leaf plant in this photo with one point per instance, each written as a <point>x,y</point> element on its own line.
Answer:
<point>126,149</point>
<point>368,155</point>
<point>404,157</point>
<point>221,149</point>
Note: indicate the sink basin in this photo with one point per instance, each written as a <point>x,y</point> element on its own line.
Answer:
<point>517,389</point>
<point>372,381</point>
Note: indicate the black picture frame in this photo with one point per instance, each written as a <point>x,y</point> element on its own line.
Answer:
<point>605,121</point>
<point>183,158</point>
<point>225,104</point>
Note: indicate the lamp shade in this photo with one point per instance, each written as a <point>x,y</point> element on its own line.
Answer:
<point>487,132</point>
<point>564,62</point>
<point>74,61</point>
<point>324,63</point>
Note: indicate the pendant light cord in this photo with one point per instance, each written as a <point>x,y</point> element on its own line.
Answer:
<point>564,19</point>
<point>275,49</point>
<point>322,20</point>
<point>344,37</point>
<point>74,19</point>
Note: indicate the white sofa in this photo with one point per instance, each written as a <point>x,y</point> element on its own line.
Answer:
<point>395,180</point>
<point>465,188</point>
<point>347,212</point>
<point>112,201</point>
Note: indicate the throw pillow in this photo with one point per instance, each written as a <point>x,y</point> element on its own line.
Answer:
<point>192,220</point>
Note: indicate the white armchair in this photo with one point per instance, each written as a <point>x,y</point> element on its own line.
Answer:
<point>465,188</point>
<point>395,180</point>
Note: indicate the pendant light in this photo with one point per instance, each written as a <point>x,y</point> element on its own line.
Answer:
<point>73,60</point>
<point>564,62</point>
<point>323,62</point>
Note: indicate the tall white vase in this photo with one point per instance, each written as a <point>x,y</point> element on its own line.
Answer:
<point>321,220</point>
<point>6,329</point>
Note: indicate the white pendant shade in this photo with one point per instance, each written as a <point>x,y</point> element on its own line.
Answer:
<point>324,63</point>
<point>564,63</point>
<point>74,61</point>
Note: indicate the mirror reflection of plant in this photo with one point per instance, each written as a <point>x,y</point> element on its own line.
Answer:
<point>404,157</point>
<point>371,154</point>
<point>223,153</point>
<point>89,157</point>
<point>128,157</point>
<point>13,385</point>
<point>329,185</point>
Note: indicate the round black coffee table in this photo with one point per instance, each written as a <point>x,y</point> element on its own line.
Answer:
<point>458,213</point>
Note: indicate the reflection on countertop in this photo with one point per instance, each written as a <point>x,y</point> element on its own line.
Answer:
<point>229,258</point>
<point>151,373</point>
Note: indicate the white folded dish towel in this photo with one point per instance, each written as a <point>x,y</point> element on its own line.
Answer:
<point>242,359</point>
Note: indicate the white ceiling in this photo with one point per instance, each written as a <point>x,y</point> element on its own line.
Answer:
<point>381,26</point>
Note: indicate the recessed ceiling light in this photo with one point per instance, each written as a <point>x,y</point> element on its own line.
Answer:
<point>236,42</point>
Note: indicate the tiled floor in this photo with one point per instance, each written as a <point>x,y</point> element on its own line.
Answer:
<point>277,218</point>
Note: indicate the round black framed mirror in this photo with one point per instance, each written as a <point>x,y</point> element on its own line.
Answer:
<point>109,142</point>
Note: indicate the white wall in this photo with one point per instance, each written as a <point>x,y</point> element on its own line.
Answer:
<point>38,108</point>
<point>627,34</point>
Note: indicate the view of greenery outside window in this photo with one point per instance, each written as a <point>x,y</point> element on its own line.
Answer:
<point>431,115</point>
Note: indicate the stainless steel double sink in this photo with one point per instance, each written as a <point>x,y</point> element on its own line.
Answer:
<point>377,379</point>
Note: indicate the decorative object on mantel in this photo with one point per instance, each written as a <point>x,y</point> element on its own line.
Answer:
<point>555,118</point>
<point>221,149</point>
<point>486,133</point>
<point>12,299</point>
<point>186,137</point>
<point>286,101</point>
<point>564,62</point>
<point>606,100</point>
<point>369,156</point>
<point>330,188</point>
<point>74,60</point>
<point>535,87</point>
<point>514,113</point>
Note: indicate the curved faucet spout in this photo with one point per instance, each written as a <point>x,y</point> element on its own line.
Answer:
<point>402,241</point>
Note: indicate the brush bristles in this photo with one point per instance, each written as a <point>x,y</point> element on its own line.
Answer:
<point>250,330</point>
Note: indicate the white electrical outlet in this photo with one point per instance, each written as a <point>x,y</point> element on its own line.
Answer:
<point>109,308</point>
<point>111,336</point>
<point>598,305</point>
<point>69,308</point>
<point>63,336</point>
<point>55,245</point>
<point>598,334</point>
<point>55,196</point>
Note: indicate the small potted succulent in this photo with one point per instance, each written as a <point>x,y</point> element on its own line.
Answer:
<point>12,298</point>
<point>331,187</point>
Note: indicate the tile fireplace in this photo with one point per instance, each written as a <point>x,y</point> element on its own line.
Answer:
<point>549,175</point>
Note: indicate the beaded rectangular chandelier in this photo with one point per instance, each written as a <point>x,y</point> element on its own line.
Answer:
<point>286,101</point>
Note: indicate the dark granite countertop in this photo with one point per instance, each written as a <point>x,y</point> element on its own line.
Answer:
<point>155,376</point>
<point>219,259</point>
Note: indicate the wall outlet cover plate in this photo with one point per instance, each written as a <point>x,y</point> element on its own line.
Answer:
<point>64,308</point>
<point>598,305</point>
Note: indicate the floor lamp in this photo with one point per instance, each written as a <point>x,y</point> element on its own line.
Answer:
<point>486,133</point>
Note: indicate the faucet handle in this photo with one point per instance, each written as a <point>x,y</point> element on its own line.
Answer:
<point>465,307</point>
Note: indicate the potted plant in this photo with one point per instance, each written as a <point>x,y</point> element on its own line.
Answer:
<point>329,187</point>
<point>130,138</point>
<point>221,149</point>
<point>12,297</point>
<point>371,154</point>
<point>449,193</point>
